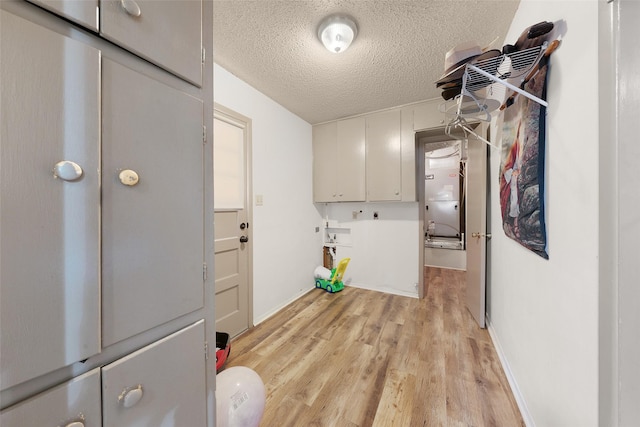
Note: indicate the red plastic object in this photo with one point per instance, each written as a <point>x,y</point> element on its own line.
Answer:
<point>224,346</point>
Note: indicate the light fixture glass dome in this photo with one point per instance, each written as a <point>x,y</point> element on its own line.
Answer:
<point>337,32</point>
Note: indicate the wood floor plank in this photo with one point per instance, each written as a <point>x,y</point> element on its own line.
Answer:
<point>360,358</point>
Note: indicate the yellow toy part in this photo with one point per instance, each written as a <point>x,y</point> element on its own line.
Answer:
<point>340,269</point>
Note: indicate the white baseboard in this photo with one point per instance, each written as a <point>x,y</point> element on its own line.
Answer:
<point>385,290</point>
<point>257,321</point>
<point>522,405</point>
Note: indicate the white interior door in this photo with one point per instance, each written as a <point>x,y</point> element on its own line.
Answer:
<point>231,135</point>
<point>476,173</point>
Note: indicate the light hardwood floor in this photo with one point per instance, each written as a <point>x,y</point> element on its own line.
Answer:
<point>365,358</point>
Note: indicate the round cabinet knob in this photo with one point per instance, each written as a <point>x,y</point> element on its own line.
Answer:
<point>67,170</point>
<point>131,7</point>
<point>128,177</point>
<point>75,424</point>
<point>130,396</point>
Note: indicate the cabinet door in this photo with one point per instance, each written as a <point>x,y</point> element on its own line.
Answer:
<point>76,401</point>
<point>83,12</point>
<point>162,384</point>
<point>152,226</point>
<point>167,33</point>
<point>384,162</point>
<point>429,115</point>
<point>349,164</point>
<point>49,269</point>
<point>324,152</point>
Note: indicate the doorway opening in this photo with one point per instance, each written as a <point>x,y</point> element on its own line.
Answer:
<point>442,198</point>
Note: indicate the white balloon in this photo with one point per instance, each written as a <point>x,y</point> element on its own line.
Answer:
<point>240,397</point>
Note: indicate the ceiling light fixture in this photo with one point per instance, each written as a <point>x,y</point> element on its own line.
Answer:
<point>336,32</point>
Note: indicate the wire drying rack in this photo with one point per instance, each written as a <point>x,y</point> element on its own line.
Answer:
<point>488,85</point>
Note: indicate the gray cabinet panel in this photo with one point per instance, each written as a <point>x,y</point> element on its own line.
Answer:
<point>49,269</point>
<point>168,33</point>
<point>77,400</point>
<point>167,379</point>
<point>83,12</point>
<point>152,232</point>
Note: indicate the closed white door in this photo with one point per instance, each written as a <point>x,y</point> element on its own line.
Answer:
<point>49,214</point>
<point>231,139</point>
<point>476,229</point>
<point>152,203</point>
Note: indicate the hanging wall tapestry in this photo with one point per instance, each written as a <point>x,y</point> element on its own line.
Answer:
<point>522,167</point>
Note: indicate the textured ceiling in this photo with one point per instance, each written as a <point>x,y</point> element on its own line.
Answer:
<point>398,53</point>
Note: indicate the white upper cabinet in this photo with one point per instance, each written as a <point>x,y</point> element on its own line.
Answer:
<point>384,156</point>
<point>339,161</point>
<point>49,214</point>
<point>168,33</point>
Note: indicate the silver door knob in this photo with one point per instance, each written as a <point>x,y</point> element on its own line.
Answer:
<point>131,7</point>
<point>128,177</point>
<point>130,396</point>
<point>67,170</point>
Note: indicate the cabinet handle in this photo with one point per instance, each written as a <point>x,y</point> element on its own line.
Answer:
<point>67,170</point>
<point>131,7</point>
<point>130,396</point>
<point>128,177</point>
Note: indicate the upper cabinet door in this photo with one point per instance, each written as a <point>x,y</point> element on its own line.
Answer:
<point>384,161</point>
<point>82,12</point>
<point>49,215</point>
<point>324,156</point>
<point>349,160</point>
<point>167,32</point>
<point>152,203</point>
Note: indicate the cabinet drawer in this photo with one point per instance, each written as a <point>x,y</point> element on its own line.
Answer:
<point>167,33</point>
<point>49,268</point>
<point>161,384</point>
<point>77,401</point>
<point>152,232</point>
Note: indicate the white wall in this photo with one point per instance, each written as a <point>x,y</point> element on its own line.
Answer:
<point>384,252</point>
<point>286,248</point>
<point>544,313</point>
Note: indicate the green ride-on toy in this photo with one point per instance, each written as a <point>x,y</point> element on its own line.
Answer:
<point>334,284</point>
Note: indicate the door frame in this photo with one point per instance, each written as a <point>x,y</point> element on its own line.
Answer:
<point>438,133</point>
<point>226,114</point>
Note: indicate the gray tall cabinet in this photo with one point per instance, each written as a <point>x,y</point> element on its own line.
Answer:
<point>106,307</point>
